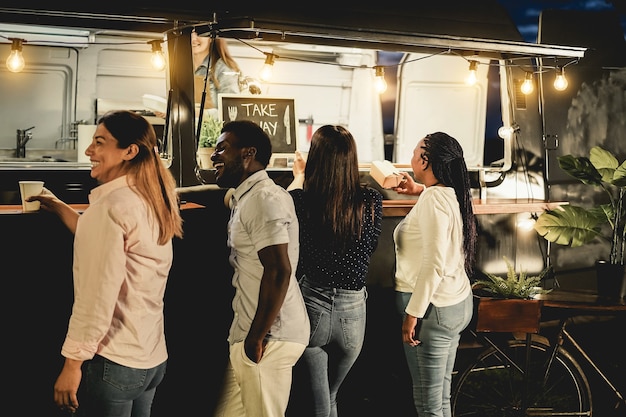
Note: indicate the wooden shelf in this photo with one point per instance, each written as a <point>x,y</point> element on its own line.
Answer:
<point>399,208</point>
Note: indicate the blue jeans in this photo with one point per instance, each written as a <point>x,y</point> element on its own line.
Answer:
<point>432,361</point>
<point>112,390</point>
<point>337,319</point>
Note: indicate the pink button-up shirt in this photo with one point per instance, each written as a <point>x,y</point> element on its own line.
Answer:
<point>120,275</point>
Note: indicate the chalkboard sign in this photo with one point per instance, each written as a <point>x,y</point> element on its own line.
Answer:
<point>276,116</point>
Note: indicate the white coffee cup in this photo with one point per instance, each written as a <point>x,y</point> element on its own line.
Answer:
<point>27,189</point>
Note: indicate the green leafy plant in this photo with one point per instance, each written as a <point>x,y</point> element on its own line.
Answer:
<point>513,286</point>
<point>209,132</point>
<point>574,226</point>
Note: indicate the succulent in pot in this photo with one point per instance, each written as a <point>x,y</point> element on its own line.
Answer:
<point>517,286</point>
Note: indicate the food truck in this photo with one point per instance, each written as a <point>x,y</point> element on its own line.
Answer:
<point>83,60</point>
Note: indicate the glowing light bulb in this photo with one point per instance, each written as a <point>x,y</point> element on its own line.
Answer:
<point>157,59</point>
<point>525,223</point>
<point>268,66</point>
<point>527,86</point>
<point>560,82</point>
<point>505,132</point>
<point>15,61</point>
<point>379,81</point>
<point>471,78</point>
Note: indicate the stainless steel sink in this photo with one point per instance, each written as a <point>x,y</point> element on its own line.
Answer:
<point>29,160</point>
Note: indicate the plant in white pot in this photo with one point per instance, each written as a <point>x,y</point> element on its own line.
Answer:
<point>209,132</point>
<point>574,226</point>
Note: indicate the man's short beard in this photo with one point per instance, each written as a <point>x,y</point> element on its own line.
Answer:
<point>232,175</point>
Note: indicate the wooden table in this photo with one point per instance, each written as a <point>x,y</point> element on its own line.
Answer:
<point>17,208</point>
<point>581,300</point>
<point>399,208</point>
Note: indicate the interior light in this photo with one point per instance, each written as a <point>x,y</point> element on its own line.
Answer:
<point>505,132</point>
<point>379,81</point>
<point>560,82</point>
<point>15,61</point>
<point>471,78</point>
<point>157,59</point>
<point>528,86</point>
<point>268,66</point>
<point>525,223</point>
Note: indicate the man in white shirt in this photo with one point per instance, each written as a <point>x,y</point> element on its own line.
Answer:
<point>270,328</point>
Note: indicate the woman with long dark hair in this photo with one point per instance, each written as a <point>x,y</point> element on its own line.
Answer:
<point>435,251</point>
<point>340,221</point>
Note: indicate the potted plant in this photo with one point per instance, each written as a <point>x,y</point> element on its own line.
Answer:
<point>574,226</point>
<point>509,304</point>
<point>209,132</point>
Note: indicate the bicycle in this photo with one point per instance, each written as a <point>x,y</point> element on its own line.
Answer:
<point>530,374</point>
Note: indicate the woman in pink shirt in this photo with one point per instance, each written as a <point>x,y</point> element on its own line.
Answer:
<point>115,344</point>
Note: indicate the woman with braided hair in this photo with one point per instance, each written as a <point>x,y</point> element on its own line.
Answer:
<point>435,252</point>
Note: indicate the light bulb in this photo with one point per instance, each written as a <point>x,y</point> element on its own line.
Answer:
<point>525,223</point>
<point>379,81</point>
<point>471,78</point>
<point>527,86</point>
<point>157,59</point>
<point>15,61</point>
<point>560,82</point>
<point>505,132</point>
<point>268,66</point>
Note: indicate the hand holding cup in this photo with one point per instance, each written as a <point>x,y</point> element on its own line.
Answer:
<point>27,190</point>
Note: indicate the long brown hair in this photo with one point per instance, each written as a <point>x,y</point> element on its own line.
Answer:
<point>217,51</point>
<point>154,183</point>
<point>332,185</point>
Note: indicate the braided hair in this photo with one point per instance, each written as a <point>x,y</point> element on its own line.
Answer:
<point>445,155</point>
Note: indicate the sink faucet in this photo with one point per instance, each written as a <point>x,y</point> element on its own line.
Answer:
<point>23,136</point>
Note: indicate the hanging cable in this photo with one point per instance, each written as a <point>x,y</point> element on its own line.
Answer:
<point>212,36</point>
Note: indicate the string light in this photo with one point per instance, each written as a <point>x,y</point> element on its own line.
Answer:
<point>266,71</point>
<point>528,86</point>
<point>15,61</point>
<point>560,82</point>
<point>472,78</point>
<point>157,59</point>
<point>379,81</point>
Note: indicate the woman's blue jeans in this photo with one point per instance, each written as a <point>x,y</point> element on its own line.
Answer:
<point>432,361</point>
<point>337,319</point>
<point>112,390</point>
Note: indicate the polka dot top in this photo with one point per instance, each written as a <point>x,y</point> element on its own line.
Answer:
<point>326,263</point>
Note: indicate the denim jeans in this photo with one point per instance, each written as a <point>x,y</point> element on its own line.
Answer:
<point>337,319</point>
<point>112,390</point>
<point>431,362</point>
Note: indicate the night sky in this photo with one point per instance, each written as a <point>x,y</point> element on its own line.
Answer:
<point>525,13</point>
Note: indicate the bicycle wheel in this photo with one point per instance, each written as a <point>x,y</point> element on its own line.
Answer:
<point>491,386</point>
